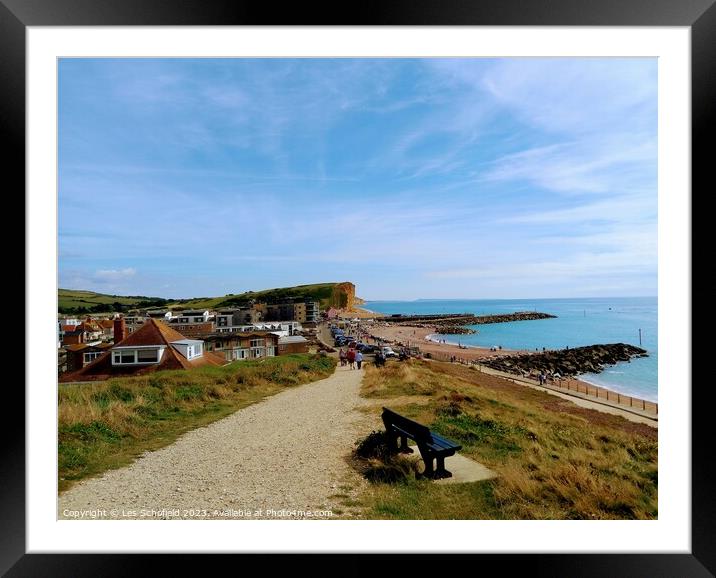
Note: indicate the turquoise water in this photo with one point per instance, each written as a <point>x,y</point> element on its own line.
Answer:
<point>579,322</point>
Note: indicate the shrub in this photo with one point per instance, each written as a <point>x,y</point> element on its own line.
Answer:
<point>378,464</point>
<point>374,445</point>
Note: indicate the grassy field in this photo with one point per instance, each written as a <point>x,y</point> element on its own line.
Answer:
<point>108,424</point>
<point>320,292</point>
<point>554,460</point>
<point>71,300</point>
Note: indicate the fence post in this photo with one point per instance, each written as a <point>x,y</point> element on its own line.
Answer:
<point>607,395</point>
<point>643,404</point>
<point>619,398</point>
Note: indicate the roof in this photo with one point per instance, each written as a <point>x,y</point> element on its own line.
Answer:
<point>188,341</point>
<point>234,334</point>
<point>82,346</point>
<point>292,339</point>
<point>76,346</point>
<point>153,332</point>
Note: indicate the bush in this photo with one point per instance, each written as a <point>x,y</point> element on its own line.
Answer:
<point>396,469</point>
<point>374,445</point>
<point>378,464</point>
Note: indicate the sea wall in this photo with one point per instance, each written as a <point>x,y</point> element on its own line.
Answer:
<point>460,319</point>
<point>589,359</point>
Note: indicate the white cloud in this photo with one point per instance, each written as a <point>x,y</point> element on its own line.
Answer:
<point>114,275</point>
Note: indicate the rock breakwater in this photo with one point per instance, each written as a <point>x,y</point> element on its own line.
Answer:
<point>589,359</point>
<point>453,320</point>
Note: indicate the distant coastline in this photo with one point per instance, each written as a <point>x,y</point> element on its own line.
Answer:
<point>580,322</point>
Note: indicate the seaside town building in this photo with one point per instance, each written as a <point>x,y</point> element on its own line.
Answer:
<point>263,327</point>
<point>301,311</point>
<point>244,345</point>
<point>154,346</point>
<point>292,344</point>
<point>82,354</point>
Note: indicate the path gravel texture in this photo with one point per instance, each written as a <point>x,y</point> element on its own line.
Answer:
<point>282,458</point>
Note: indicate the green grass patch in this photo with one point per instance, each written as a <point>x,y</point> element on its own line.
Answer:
<point>106,425</point>
<point>553,459</point>
<point>419,499</point>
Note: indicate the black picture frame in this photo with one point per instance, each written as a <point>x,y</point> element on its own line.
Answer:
<point>17,15</point>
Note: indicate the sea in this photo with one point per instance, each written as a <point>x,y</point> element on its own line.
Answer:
<point>579,322</point>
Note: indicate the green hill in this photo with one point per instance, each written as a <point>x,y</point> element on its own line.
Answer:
<point>74,301</point>
<point>321,292</point>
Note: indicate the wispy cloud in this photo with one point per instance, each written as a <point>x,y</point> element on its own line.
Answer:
<point>114,275</point>
<point>219,175</point>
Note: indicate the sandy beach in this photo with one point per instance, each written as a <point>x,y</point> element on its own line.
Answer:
<point>417,337</point>
<point>406,335</point>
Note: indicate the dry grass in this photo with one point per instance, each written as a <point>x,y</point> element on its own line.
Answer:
<point>554,459</point>
<point>106,425</point>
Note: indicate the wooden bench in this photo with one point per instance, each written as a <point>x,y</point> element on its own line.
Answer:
<point>431,445</point>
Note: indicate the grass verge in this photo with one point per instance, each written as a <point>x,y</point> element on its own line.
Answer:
<point>106,425</point>
<point>554,459</point>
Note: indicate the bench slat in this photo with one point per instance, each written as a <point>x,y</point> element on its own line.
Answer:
<point>420,433</point>
<point>444,442</point>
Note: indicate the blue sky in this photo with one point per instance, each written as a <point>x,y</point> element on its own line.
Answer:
<point>424,178</point>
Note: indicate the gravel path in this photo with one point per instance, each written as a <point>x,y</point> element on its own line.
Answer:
<point>272,460</point>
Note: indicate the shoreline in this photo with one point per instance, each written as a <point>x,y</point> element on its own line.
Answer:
<point>407,335</point>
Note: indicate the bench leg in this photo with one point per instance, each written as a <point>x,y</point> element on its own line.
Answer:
<point>404,449</point>
<point>428,461</point>
<point>392,441</point>
<point>440,471</point>
<point>429,472</point>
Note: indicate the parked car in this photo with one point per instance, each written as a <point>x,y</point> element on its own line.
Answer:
<point>388,352</point>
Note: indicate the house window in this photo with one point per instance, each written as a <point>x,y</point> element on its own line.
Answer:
<point>134,356</point>
<point>257,342</point>
<point>183,320</point>
<point>235,354</point>
<point>198,319</point>
<point>123,356</point>
<point>91,356</point>
<point>147,356</point>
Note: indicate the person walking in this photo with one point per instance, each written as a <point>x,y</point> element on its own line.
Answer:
<point>359,358</point>
<point>342,357</point>
<point>351,356</point>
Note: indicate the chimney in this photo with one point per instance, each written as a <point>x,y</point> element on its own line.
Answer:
<point>120,328</point>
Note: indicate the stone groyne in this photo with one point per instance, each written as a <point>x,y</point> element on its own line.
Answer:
<point>453,320</point>
<point>567,362</point>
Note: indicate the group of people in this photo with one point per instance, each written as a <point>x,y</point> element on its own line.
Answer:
<point>352,357</point>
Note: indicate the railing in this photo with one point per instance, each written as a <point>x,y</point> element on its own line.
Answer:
<point>570,385</point>
<point>601,393</point>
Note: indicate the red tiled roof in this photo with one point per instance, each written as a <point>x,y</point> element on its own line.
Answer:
<point>76,346</point>
<point>153,332</point>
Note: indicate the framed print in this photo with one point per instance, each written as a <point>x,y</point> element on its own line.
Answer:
<point>478,183</point>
